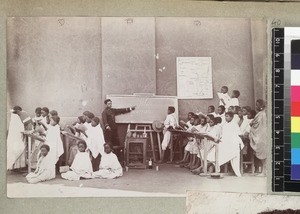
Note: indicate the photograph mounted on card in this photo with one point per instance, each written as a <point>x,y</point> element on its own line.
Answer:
<point>119,106</point>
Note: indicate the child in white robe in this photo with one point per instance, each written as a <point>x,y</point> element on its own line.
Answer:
<point>53,139</point>
<point>223,96</point>
<point>109,167</point>
<point>45,167</point>
<point>81,166</point>
<point>234,101</point>
<point>230,146</point>
<point>95,141</point>
<point>221,114</point>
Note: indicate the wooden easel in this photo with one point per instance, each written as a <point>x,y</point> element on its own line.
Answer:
<point>139,130</point>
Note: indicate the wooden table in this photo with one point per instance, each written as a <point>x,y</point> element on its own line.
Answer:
<point>198,137</point>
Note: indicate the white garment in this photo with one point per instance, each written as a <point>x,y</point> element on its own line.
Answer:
<point>229,147</point>
<point>214,132</point>
<point>45,170</point>
<point>235,119</point>
<point>15,144</point>
<point>170,121</point>
<point>222,117</point>
<point>95,140</point>
<point>53,140</point>
<point>81,167</point>
<point>213,113</point>
<point>233,102</point>
<point>225,97</point>
<point>245,125</point>
<point>109,167</point>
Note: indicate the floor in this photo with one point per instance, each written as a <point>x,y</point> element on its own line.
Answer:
<point>169,181</point>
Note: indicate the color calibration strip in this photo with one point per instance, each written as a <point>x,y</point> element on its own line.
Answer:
<point>295,110</point>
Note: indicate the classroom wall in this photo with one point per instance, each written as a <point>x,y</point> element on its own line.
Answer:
<point>55,62</point>
<point>229,43</point>
<point>71,64</point>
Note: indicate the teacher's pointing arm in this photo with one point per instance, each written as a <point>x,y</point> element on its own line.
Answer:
<point>123,110</point>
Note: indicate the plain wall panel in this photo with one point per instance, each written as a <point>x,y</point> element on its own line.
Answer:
<point>227,41</point>
<point>55,62</point>
<point>128,61</point>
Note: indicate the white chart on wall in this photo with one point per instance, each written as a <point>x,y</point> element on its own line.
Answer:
<point>194,78</point>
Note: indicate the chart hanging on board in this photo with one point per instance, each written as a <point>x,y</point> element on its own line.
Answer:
<point>194,78</point>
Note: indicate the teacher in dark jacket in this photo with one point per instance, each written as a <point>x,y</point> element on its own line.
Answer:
<point>109,122</point>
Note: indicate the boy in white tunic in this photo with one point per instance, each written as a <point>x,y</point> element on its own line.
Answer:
<point>45,169</point>
<point>53,139</point>
<point>170,123</point>
<point>81,166</point>
<point>110,167</point>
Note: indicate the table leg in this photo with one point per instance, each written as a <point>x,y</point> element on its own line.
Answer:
<point>159,144</point>
<point>205,156</point>
<point>171,147</point>
<point>152,147</point>
<point>29,153</point>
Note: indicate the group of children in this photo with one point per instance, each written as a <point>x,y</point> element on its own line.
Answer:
<point>229,127</point>
<point>91,157</point>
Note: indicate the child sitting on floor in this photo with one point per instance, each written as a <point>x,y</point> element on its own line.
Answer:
<point>45,169</point>
<point>81,166</point>
<point>109,167</point>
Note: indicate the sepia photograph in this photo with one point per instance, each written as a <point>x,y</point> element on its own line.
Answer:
<point>136,106</point>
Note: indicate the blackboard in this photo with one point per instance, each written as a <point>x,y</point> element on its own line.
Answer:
<point>149,107</point>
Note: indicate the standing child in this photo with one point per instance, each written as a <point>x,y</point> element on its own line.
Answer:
<point>234,101</point>
<point>109,167</point>
<point>95,142</point>
<point>81,166</point>
<point>223,96</point>
<point>170,123</point>
<point>38,117</point>
<point>221,114</point>
<point>53,140</point>
<point>45,169</point>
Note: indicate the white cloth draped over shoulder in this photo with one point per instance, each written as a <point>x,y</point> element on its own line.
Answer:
<point>109,167</point>
<point>53,140</point>
<point>45,170</point>
<point>81,167</point>
<point>15,143</point>
<point>95,140</point>
<point>229,147</point>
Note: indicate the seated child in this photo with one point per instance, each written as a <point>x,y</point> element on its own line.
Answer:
<point>81,166</point>
<point>233,109</point>
<point>188,150</point>
<point>45,169</point>
<point>53,140</point>
<point>223,96</point>
<point>45,113</point>
<point>211,110</point>
<point>38,117</point>
<point>189,123</point>
<point>234,101</point>
<point>221,114</point>
<point>213,131</point>
<point>109,167</point>
<point>230,146</point>
<point>95,141</point>
<point>169,123</point>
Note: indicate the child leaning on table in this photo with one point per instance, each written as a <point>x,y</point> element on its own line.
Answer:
<point>45,169</point>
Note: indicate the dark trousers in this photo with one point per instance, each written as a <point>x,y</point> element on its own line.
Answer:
<point>96,162</point>
<point>111,137</point>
